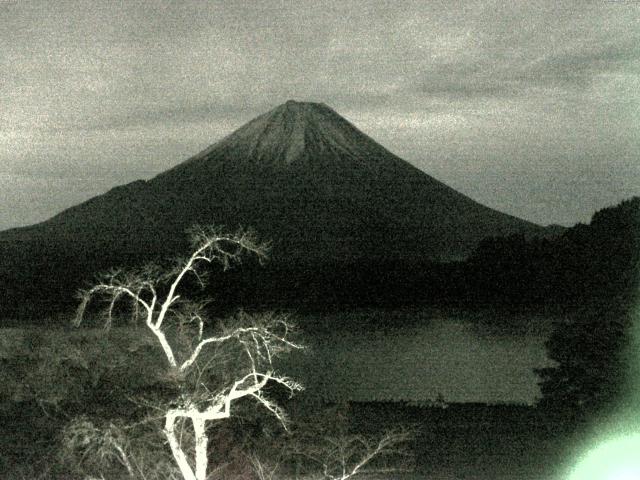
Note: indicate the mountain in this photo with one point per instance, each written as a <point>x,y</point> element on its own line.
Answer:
<point>301,175</point>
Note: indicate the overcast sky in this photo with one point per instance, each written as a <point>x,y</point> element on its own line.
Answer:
<point>529,107</point>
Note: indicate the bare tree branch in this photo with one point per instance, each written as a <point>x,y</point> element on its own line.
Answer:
<point>260,337</point>
<point>347,455</point>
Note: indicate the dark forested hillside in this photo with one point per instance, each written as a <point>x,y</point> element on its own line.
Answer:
<point>594,345</point>
<point>586,264</point>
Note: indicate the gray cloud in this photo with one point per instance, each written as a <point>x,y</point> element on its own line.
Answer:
<point>491,97</point>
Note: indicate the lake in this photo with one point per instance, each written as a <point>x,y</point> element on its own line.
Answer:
<point>406,354</point>
<point>420,354</point>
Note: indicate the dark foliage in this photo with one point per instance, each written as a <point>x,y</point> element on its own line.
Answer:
<point>599,278</point>
<point>590,348</point>
<point>587,264</point>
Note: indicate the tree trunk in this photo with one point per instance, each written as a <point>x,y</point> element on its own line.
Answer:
<point>201,448</point>
<point>176,449</point>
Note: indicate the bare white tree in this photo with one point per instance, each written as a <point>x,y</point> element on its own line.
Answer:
<point>315,453</point>
<point>266,469</point>
<point>347,456</point>
<point>180,329</point>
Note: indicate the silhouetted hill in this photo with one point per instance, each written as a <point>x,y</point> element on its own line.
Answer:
<point>588,263</point>
<point>301,175</point>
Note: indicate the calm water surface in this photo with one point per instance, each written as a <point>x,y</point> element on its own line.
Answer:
<point>412,355</point>
<point>462,356</point>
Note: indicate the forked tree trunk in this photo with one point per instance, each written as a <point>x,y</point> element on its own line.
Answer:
<point>201,441</point>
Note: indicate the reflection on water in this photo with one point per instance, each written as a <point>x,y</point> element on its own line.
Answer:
<point>463,357</point>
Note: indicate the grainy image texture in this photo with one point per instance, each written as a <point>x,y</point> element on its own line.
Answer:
<point>341,239</point>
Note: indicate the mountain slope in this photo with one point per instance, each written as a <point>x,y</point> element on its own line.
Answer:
<point>301,175</point>
<point>302,165</point>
